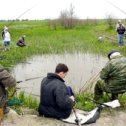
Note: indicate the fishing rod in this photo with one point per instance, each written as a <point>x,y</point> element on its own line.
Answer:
<point>36,95</point>
<point>24,13</point>
<point>30,79</point>
<point>77,120</point>
<point>70,93</point>
<point>15,89</point>
<point>94,101</point>
<point>115,6</point>
<point>90,82</point>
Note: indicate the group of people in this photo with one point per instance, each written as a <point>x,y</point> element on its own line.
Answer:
<point>120,28</point>
<point>6,37</point>
<point>57,99</point>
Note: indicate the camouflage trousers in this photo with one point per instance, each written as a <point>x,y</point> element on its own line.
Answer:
<point>3,96</point>
<point>100,89</point>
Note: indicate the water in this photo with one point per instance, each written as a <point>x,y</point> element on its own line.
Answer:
<point>81,68</point>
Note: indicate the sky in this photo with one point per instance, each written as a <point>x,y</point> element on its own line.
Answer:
<point>50,9</point>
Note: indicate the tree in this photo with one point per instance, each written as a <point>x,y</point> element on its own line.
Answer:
<point>67,18</point>
<point>110,21</point>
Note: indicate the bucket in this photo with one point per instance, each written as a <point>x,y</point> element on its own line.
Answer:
<point>1,113</point>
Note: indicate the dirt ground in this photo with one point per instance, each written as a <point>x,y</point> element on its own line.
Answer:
<point>109,118</point>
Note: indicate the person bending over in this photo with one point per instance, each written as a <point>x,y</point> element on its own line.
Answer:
<point>113,77</point>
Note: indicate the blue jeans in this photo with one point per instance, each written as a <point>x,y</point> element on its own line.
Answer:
<point>6,43</point>
<point>121,39</point>
<point>70,92</point>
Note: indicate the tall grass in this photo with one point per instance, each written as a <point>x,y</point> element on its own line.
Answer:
<point>28,100</point>
<point>40,40</point>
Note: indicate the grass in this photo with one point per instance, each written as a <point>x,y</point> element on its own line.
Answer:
<point>23,101</point>
<point>40,40</point>
<point>85,101</point>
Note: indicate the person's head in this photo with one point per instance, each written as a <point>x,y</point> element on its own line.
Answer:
<point>23,36</point>
<point>61,70</point>
<point>120,22</point>
<point>5,28</point>
<point>113,54</point>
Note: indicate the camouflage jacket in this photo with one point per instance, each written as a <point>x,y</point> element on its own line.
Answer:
<point>6,81</point>
<point>114,75</point>
<point>6,78</point>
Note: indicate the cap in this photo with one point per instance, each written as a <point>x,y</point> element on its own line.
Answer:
<point>119,21</point>
<point>5,28</point>
<point>113,54</point>
<point>24,36</point>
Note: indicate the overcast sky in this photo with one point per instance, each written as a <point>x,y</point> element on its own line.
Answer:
<point>50,9</point>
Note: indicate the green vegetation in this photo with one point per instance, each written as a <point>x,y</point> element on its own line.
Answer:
<point>43,39</point>
<point>28,101</point>
<point>85,101</point>
<point>22,100</point>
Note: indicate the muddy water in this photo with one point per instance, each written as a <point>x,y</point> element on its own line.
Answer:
<point>81,68</point>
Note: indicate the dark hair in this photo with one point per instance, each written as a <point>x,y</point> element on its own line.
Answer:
<point>113,51</point>
<point>61,68</point>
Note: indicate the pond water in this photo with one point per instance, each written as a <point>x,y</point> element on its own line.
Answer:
<point>81,68</point>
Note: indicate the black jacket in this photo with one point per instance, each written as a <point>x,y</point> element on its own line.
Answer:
<point>121,30</point>
<point>54,98</point>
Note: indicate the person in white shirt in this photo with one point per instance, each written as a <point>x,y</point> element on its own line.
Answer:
<point>6,36</point>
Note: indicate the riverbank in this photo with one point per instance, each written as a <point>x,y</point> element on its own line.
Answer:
<point>112,117</point>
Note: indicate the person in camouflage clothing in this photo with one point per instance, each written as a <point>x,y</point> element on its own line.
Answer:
<point>113,77</point>
<point>7,82</point>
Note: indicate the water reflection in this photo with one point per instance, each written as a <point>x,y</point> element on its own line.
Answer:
<point>81,68</point>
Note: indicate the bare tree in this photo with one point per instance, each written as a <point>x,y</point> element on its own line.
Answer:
<point>110,21</point>
<point>71,16</point>
<point>67,18</point>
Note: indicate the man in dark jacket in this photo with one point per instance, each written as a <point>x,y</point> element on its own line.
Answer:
<point>6,82</point>
<point>121,30</point>
<point>54,97</point>
<point>113,77</point>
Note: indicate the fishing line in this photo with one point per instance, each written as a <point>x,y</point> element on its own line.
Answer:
<point>115,6</point>
<point>25,12</point>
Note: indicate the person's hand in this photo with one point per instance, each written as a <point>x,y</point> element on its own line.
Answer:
<point>72,98</point>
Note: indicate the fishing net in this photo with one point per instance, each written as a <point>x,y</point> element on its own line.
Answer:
<point>14,101</point>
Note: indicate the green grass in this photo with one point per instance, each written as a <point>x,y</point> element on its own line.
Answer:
<point>83,101</point>
<point>28,100</point>
<point>23,101</point>
<point>40,39</point>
